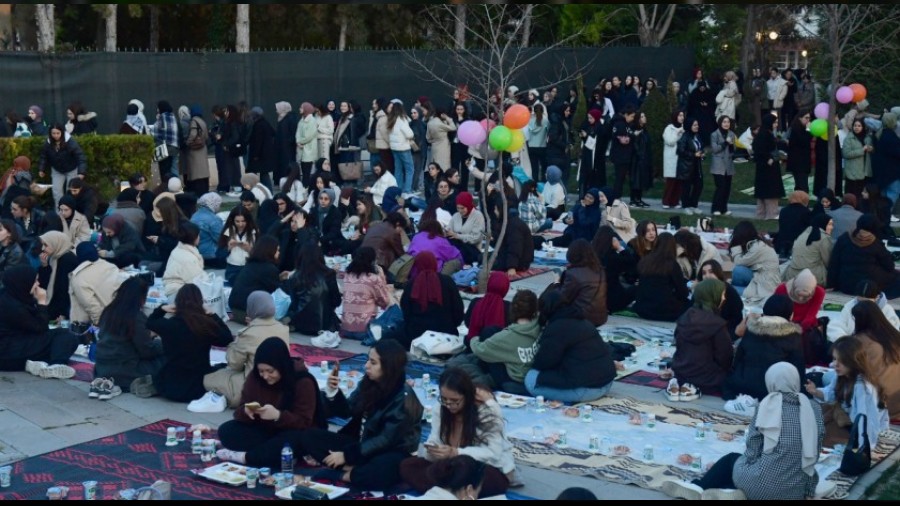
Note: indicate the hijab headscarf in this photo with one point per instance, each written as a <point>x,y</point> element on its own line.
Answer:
<point>61,244</point>
<point>708,295</point>
<point>260,305</point>
<point>802,287</point>
<point>389,202</point>
<point>128,195</point>
<point>554,174</point>
<point>490,311</point>
<point>466,200</point>
<point>18,281</point>
<point>283,109</point>
<point>611,195</point>
<point>427,285</point>
<point>138,121</point>
<point>819,224</point>
<point>87,252</point>
<point>322,214</point>
<point>306,108</point>
<point>211,201</point>
<point>783,378</point>
<point>275,353</point>
<point>250,180</point>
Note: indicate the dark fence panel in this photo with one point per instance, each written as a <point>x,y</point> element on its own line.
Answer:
<point>105,82</point>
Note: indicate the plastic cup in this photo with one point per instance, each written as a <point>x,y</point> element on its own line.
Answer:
<point>5,476</point>
<point>90,490</point>
<point>252,476</point>
<point>180,434</point>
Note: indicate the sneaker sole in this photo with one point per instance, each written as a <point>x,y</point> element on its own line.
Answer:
<point>35,368</point>
<point>679,491</point>
<point>110,395</point>
<point>673,398</point>
<point>62,372</point>
<point>723,495</point>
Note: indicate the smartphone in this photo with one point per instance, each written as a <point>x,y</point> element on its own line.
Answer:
<point>336,370</point>
<point>252,406</point>
<point>429,445</point>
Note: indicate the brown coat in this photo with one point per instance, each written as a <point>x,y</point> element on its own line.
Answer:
<point>196,161</point>
<point>299,416</point>
<point>386,241</point>
<point>888,375</point>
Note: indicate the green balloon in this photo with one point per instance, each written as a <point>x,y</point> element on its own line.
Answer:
<point>500,139</point>
<point>819,128</point>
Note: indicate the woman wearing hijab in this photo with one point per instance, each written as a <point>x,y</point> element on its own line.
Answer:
<point>861,255</point>
<point>554,193</point>
<point>703,344</point>
<point>808,298</point>
<point>57,262</point>
<point>36,122</point>
<point>196,158</point>
<point>307,144</point>
<point>584,221</point>
<point>769,187</point>
<point>75,225</point>
<point>826,202</point>
<point>593,164</point>
<point>617,215</point>
<point>792,221</point>
<point>25,342</point>
<point>120,243</point>
<point>812,250</point>
<point>326,219</point>
<point>671,136</point>
<point>783,446</point>
<point>431,302</point>
<point>467,228</point>
<point>490,313</point>
<point>261,325</point>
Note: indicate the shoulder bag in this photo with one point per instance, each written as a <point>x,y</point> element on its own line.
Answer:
<point>857,458</point>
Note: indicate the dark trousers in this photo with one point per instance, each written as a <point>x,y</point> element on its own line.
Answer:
<point>231,172</point>
<point>622,171</point>
<point>220,168</point>
<point>263,446</point>
<point>637,195</point>
<point>469,252</point>
<point>387,159</point>
<point>720,476</point>
<point>459,153</point>
<point>723,193</point>
<point>198,187</point>
<point>379,472</point>
<point>672,193</point>
<point>801,181</point>
<point>306,173</point>
<point>414,472</point>
<point>538,157</point>
<point>855,187</point>
<point>693,187</point>
<point>54,347</point>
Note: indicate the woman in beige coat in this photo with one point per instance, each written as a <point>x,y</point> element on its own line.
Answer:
<point>812,250</point>
<point>75,225</point>
<point>196,163</point>
<point>262,325</point>
<point>439,128</point>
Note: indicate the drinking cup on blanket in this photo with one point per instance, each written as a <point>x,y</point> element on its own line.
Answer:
<point>5,476</point>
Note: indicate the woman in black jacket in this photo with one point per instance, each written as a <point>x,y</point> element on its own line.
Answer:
<point>799,160</point>
<point>583,284</point>
<point>57,262</point>
<point>11,253</point>
<point>285,140</point>
<point>690,166</point>
<point>621,151</point>
<point>860,255</point>
<point>261,148</point>
<point>768,184</point>
<point>63,157</point>
<point>384,426</point>
<point>261,274</point>
<point>29,219</point>
<point>231,140</point>
<point>793,220</point>
<point>770,339</point>
<point>23,327</point>
<point>292,238</point>
<point>572,363</point>
<point>642,169</point>
<point>703,344</point>
<point>559,138</point>
<point>517,251</point>
<point>875,203</point>
<point>325,218</point>
<point>431,301</point>
<point>186,338</point>
<point>618,260</point>
<point>662,293</point>
<point>120,243</point>
<point>314,293</point>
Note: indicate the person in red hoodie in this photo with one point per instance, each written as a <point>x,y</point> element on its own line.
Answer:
<point>808,298</point>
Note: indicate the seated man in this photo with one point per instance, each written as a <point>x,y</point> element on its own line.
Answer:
<point>86,199</point>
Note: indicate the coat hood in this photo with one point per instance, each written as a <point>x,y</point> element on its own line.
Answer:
<point>773,326</point>
<point>698,326</point>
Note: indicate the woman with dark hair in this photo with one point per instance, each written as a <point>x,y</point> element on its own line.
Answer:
<point>459,152</point>
<point>57,262</point>
<point>532,210</point>
<point>671,137</point>
<point>457,479</point>
<point>769,186</point>
<point>799,160</point>
<point>641,173</point>
<point>690,166</point>
<point>857,152</point>
<point>162,233</point>
<point>314,292</point>
<point>278,213</point>
<point>345,142</point>
<point>722,144</point>
<point>792,221</point>
<point>11,253</point>
<point>584,220</point>
<point>120,243</point>
<point>812,250</point>
<point>647,237</point>
<point>490,313</point>
<point>185,263</point>
<point>384,425</point>
<point>470,424</point>
<point>618,261</point>
<point>703,344</point>
<point>63,158</point>
<point>285,141</point>
<point>261,274</point>
<point>125,348</point>
<point>733,309</point>
<point>383,181</point>
<point>875,203</point>
<point>756,267</point>
<point>28,219</point>
<point>231,139</point>
<point>80,121</point>
<point>431,301</point>
<point>860,255</point>
<point>279,402</point>
<point>583,284</point>
<point>365,291</point>
<point>826,202</point>
<point>238,238</point>
<point>881,342</point>
<point>592,166</point>
<point>399,139</point>
<point>186,338</point>
<point>448,190</point>
<point>662,293</point>
<point>538,130</point>
<point>693,251</point>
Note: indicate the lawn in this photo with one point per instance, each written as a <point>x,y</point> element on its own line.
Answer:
<point>887,488</point>
<point>661,218</point>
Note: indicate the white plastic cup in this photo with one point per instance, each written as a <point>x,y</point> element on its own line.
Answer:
<point>5,476</point>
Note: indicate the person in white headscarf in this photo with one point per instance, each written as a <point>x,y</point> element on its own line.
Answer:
<point>139,123</point>
<point>784,441</point>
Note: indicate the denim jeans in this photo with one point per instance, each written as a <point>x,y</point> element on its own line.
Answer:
<point>404,170</point>
<point>741,278</point>
<point>893,191</point>
<point>548,224</point>
<point>572,395</point>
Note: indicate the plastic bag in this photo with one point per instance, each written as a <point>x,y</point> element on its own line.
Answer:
<point>213,289</point>
<point>282,304</point>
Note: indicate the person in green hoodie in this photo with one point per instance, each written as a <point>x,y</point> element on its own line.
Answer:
<point>508,354</point>
<point>703,353</point>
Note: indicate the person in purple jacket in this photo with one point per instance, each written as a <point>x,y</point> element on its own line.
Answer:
<point>431,238</point>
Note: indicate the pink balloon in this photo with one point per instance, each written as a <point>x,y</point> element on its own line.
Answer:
<point>844,95</point>
<point>471,133</point>
<point>822,111</point>
<point>488,124</point>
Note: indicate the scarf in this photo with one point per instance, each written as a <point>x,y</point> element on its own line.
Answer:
<point>260,305</point>
<point>323,211</point>
<point>802,287</point>
<point>708,295</point>
<point>783,378</point>
<point>819,224</point>
<point>554,174</point>
<point>465,199</point>
<point>490,311</point>
<point>60,244</point>
<point>138,122</point>
<point>283,109</point>
<point>427,284</point>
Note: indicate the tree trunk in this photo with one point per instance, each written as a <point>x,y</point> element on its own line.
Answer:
<point>154,27</point>
<point>243,28</point>
<point>460,32</point>
<point>748,51</point>
<point>526,28</point>
<point>46,26</point>
<point>832,107</point>
<point>111,31</point>
<point>342,40</point>
<point>652,31</point>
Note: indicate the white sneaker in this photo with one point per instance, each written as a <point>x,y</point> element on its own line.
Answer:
<point>717,213</point>
<point>895,219</point>
<point>42,370</point>
<point>35,368</point>
<point>721,494</point>
<point>825,488</point>
<point>109,390</point>
<point>667,207</point>
<point>234,195</point>
<point>211,402</point>
<point>744,405</point>
<point>326,340</point>
<point>682,490</point>
<point>82,351</point>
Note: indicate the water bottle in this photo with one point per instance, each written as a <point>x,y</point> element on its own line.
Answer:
<point>287,459</point>
<point>197,443</point>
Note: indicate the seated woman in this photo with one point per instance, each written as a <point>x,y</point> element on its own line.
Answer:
<point>92,285</point>
<point>384,427</point>
<point>860,255</point>
<point>693,252</point>
<point>120,244</point>
<point>812,250</point>
<point>573,364</point>
<point>554,193</point>
<point>662,292</point>
<point>325,219</point>
<point>470,423</point>
<point>11,253</point>
<point>276,214</point>
<point>29,219</point>
<point>314,292</point>
<point>383,180</point>
<point>703,349</point>
<point>365,291</point>
<point>645,241</point>
<point>185,263</point>
<point>881,342</point>
<point>430,302</point>
<point>783,446</point>
<point>57,262</point>
<point>25,342</point>
<point>733,309</point>
<point>457,479</point>
<point>323,180</point>
<point>845,324</point>
<point>187,338</point>
<point>163,232</point>
<point>490,313</point>
<point>876,204</point>
<point>853,391</point>
<point>288,399</point>
<point>584,220</point>
<point>386,238</point>
<point>808,298</point>
<point>618,216</point>
<point>532,210</point>
<point>238,238</point>
<point>792,221</point>
<point>125,349</point>
<point>826,203</point>
<point>517,251</point>
<point>261,325</point>
<point>259,275</point>
<point>619,262</point>
<point>211,227</point>
<point>75,225</point>
<point>508,354</point>
<point>768,340</point>
<point>251,182</point>
<point>757,271</point>
<point>431,238</point>
<point>583,284</point>
<point>467,229</point>
<point>448,190</point>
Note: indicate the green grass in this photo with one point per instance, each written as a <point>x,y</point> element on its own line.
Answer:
<point>662,218</point>
<point>887,488</point>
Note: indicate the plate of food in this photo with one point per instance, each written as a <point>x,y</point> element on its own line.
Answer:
<point>572,412</point>
<point>226,474</point>
<point>331,491</point>
<point>621,451</point>
<point>555,404</point>
<point>511,401</point>
<point>685,460</point>
<point>726,437</point>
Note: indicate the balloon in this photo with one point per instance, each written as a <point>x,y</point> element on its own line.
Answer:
<point>518,142</point>
<point>488,125</point>
<point>822,111</point>
<point>471,133</point>
<point>818,128</point>
<point>500,138</point>
<point>859,93</point>
<point>844,95</point>
<point>517,117</point>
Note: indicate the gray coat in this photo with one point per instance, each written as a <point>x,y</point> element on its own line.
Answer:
<point>196,161</point>
<point>722,160</point>
<point>845,219</point>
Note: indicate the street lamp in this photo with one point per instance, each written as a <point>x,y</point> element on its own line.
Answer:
<point>773,35</point>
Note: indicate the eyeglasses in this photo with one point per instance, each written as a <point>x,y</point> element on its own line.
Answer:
<point>451,403</point>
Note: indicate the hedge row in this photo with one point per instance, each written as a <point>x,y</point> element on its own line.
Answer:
<point>110,158</point>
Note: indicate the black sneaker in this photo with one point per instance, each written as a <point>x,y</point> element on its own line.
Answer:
<point>634,205</point>
<point>644,205</point>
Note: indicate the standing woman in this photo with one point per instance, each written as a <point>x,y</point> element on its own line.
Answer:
<point>81,121</point>
<point>769,186</point>
<point>345,144</point>
<point>621,151</point>
<point>799,160</point>
<point>285,140</point>
<point>642,169</point>
<point>690,167</point>
<point>307,145</point>
<point>459,152</point>
<point>261,148</point>
<point>400,139</point>
<point>324,131</point>
<point>857,150</point>
<point>671,137</point>
<point>592,174</point>
<point>197,159</point>
<point>63,158</point>
<point>233,147</point>
<point>419,145</point>
<point>722,143</point>
<point>440,128</point>
<point>538,130</point>
<point>57,262</point>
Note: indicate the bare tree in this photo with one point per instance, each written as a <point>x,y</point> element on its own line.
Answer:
<point>154,27</point>
<point>496,31</point>
<point>460,26</point>
<point>110,12</point>
<point>527,17</point>
<point>653,25</point>
<point>242,44</point>
<point>46,27</point>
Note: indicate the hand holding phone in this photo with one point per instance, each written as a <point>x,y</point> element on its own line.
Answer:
<point>334,380</point>
<point>252,406</point>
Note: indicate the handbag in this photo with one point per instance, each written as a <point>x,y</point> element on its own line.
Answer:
<point>351,171</point>
<point>857,458</point>
<point>414,146</point>
<point>371,146</point>
<point>391,322</point>
<point>400,269</point>
<point>161,153</point>
<point>212,287</point>
<point>435,344</point>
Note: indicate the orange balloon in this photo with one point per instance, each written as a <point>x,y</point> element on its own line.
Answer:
<point>859,92</point>
<point>517,117</point>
